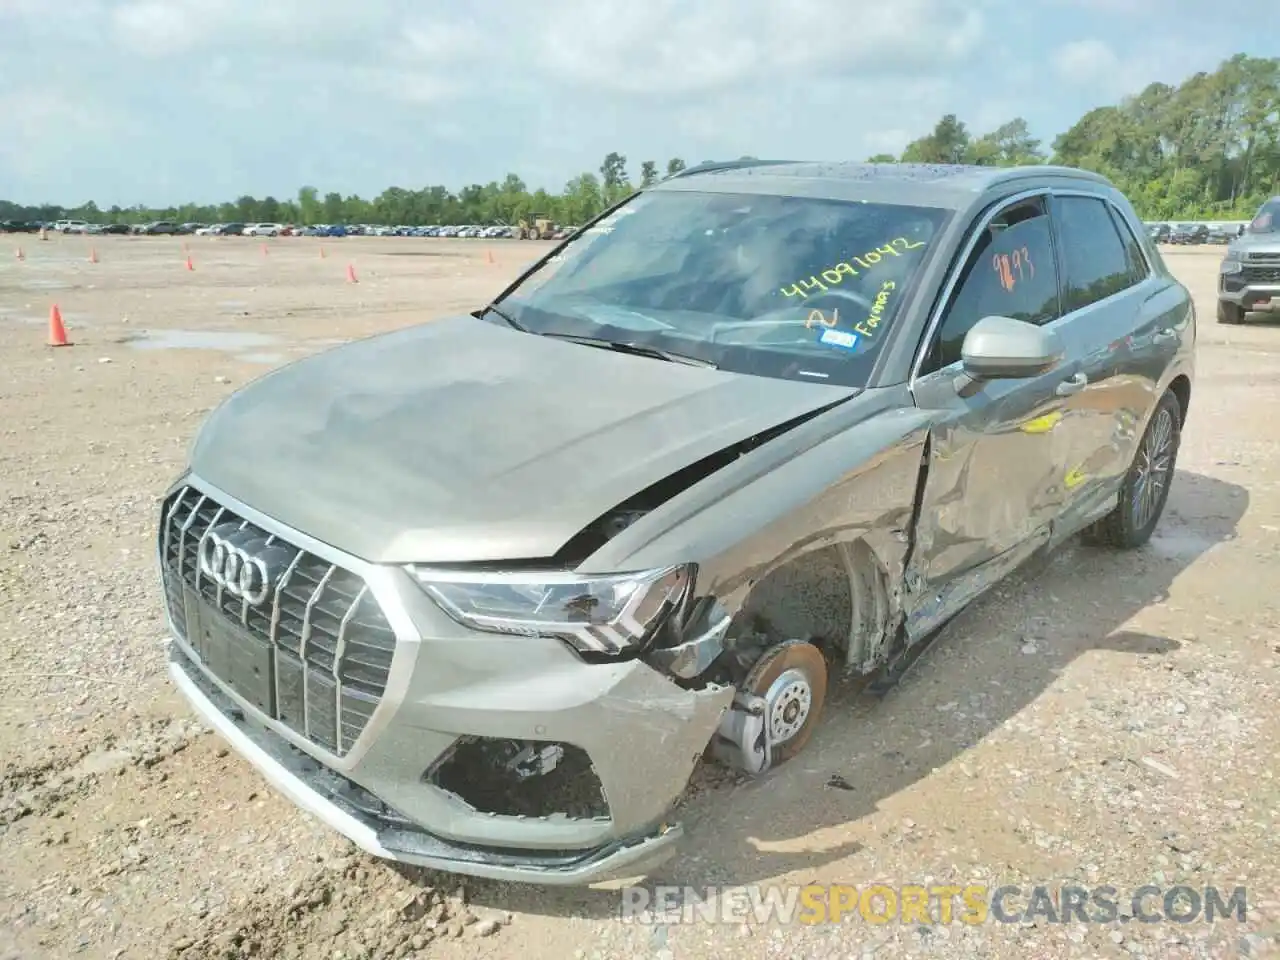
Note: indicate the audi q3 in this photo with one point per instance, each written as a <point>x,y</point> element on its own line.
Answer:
<point>482,592</point>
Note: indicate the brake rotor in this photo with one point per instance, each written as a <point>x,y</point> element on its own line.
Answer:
<point>791,678</point>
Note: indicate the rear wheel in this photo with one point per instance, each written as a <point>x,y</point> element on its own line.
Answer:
<point>1230,313</point>
<point>1146,486</point>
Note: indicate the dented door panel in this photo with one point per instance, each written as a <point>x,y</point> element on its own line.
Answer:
<point>992,490</point>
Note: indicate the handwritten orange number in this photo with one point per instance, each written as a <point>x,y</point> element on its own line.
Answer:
<point>1013,268</point>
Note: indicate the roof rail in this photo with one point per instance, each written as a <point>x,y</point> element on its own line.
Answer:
<point>714,166</point>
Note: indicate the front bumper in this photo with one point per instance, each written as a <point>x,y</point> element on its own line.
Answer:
<point>1257,287</point>
<point>448,688</point>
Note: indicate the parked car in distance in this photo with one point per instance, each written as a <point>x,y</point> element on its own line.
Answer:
<point>210,230</point>
<point>1159,232</point>
<point>156,228</point>
<point>1223,233</point>
<point>1249,276</point>
<point>115,228</point>
<point>1188,233</point>
<point>264,229</point>
<point>19,226</point>
<point>481,592</point>
<point>229,229</point>
<point>189,229</point>
<point>70,226</point>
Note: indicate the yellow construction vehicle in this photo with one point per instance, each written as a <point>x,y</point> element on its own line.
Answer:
<point>540,229</point>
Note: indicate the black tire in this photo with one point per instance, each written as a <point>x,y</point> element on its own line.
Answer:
<point>1145,489</point>
<point>1230,313</point>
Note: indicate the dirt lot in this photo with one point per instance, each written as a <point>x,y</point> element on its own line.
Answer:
<point>1105,719</point>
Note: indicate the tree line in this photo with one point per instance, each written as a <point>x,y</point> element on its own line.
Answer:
<point>1208,148</point>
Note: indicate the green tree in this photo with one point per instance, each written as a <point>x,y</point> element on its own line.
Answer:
<point>613,178</point>
<point>648,173</point>
<point>1009,145</point>
<point>674,166</point>
<point>333,208</point>
<point>309,210</point>
<point>946,144</point>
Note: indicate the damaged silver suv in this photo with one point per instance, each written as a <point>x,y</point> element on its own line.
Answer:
<point>480,593</point>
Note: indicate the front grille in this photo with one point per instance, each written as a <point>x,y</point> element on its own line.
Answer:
<point>1261,274</point>
<point>314,655</point>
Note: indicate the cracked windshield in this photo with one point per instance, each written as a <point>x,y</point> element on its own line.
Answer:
<point>775,286</point>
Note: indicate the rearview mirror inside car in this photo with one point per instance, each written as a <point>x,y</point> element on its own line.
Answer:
<point>1001,348</point>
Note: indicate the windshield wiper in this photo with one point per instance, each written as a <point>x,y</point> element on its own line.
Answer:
<point>507,319</point>
<point>635,349</point>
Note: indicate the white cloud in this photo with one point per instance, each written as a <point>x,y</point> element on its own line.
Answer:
<point>1085,61</point>
<point>156,28</point>
<point>674,47</point>
<point>1095,66</point>
<point>222,97</point>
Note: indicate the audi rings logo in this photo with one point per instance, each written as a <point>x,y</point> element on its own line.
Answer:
<point>234,568</point>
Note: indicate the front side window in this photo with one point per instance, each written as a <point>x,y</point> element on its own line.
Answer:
<point>790,287</point>
<point>1094,259</point>
<point>1011,273</point>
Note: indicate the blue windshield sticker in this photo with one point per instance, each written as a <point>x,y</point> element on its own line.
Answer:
<point>839,338</point>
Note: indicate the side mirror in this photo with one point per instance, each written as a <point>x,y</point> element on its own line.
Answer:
<point>1001,348</point>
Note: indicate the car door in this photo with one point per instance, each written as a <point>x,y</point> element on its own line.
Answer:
<point>1120,321</point>
<point>992,490</point>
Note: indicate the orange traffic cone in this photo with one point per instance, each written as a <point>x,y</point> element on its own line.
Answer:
<point>44,234</point>
<point>57,332</point>
<point>93,255</point>
<point>264,249</point>
<point>489,255</point>
<point>19,254</point>
<point>351,274</point>
<point>190,265</point>
<point>322,253</point>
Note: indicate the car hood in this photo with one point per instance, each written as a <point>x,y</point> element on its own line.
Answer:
<point>459,440</point>
<point>1257,243</point>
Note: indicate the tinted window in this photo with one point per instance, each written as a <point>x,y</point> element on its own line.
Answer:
<point>1132,249</point>
<point>1095,262</point>
<point>1011,273</point>
<point>791,287</point>
<point>1267,219</point>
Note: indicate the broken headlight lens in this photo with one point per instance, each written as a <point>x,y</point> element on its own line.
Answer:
<point>608,614</point>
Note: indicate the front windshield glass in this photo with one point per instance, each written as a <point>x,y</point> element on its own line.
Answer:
<point>788,287</point>
<point>1268,218</point>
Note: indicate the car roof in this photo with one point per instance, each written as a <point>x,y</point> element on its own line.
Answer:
<point>952,186</point>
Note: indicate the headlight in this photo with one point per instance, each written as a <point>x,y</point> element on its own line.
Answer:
<point>596,614</point>
<point>1231,262</point>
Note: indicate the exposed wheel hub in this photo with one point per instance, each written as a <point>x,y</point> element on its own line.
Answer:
<point>776,708</point>
<point>787,704</point>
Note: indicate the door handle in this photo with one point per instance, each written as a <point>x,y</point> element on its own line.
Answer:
<point>1074,385</point>
<point>1164,335</point>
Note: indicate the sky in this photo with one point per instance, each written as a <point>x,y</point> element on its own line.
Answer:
<point>168,101</point>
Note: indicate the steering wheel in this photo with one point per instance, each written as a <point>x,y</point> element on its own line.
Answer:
<point>857,298</point>
<point>764,322</point>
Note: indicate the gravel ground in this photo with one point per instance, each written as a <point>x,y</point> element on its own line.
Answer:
<point>1102,719</point>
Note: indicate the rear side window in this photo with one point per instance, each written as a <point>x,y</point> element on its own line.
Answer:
<point>1132,248</point>
<point>1095,261</point>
